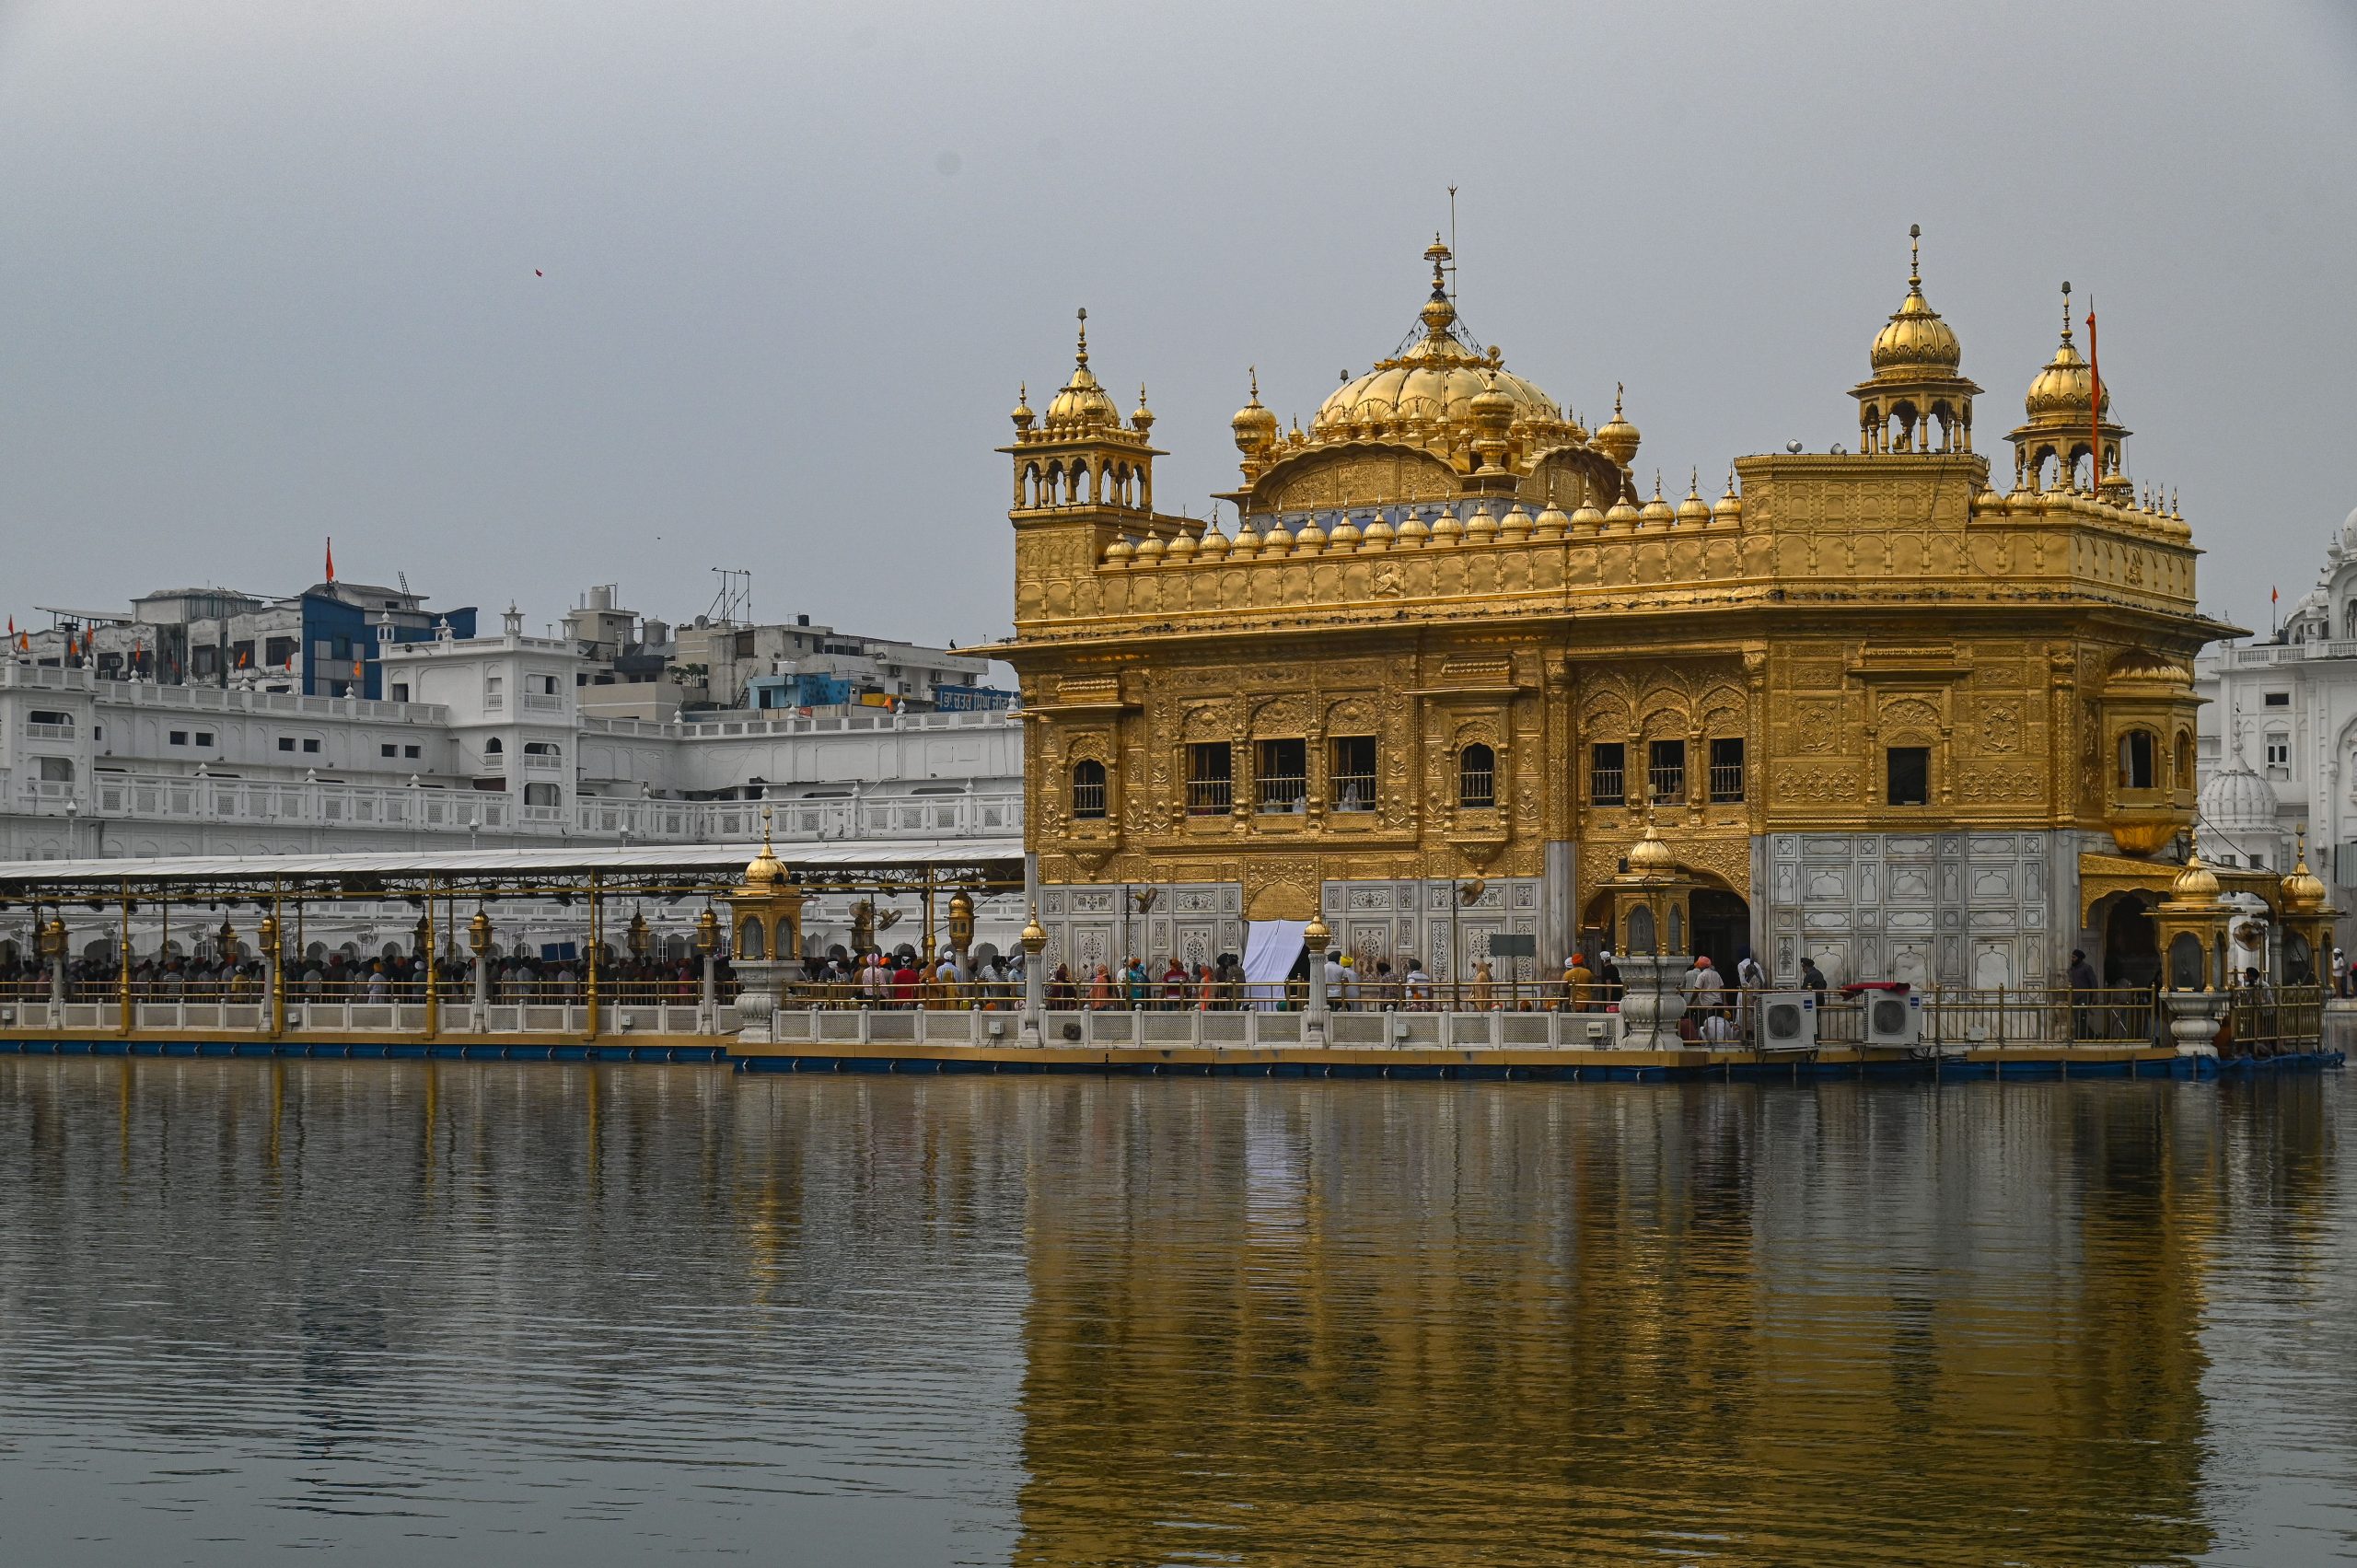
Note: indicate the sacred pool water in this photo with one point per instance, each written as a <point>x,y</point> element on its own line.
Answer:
<point>467,1313</point>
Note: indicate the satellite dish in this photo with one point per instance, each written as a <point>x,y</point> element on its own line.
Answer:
<point>1793,448</point>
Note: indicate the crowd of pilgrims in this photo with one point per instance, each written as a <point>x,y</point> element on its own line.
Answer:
<point>343,977</point>
<point>904,979</point>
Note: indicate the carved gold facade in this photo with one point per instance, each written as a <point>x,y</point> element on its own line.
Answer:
<point>1447,565</point>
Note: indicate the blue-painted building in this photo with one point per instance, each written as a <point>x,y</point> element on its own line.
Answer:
<point>339,635</point>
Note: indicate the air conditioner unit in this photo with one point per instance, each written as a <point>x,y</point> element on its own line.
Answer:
<point>1788,1021</point>
<point>1894,1017</point>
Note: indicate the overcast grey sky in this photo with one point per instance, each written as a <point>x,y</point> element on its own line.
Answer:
<point>268,270</point>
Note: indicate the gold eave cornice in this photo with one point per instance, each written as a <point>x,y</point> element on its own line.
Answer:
<point>1487,689</point>
<point>1079,709</point>
<point>1912,666</point>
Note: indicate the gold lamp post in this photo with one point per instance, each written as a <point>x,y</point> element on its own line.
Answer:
<point>961,922</point>
<point>1652,915</point>
<point>479,942</point>
<point>53,947</point>
<point>765,914</point>
<point>2307,922</point>
<point>1035,982</point>
<point>1317,936</point>
<point>2190,926</point>
<point>267,936</point>
<point>708,950</point>
<point>641,938</point>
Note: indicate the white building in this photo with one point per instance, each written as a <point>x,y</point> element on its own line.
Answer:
<point>2279,736</point>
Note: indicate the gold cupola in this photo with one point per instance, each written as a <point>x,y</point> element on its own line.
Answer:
<point>1081,405</point>
<point>2304,892</point>
<point>1255,426</point>
<point>2060,424</point>
<point>1916,387</point>
<point>1617,438</point>
<point>765,908</point>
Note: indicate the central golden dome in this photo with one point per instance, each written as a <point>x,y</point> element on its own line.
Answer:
<point>1434,383</point>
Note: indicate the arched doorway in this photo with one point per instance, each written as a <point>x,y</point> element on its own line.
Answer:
<point>1722,924</point>
<point>2132,953</point>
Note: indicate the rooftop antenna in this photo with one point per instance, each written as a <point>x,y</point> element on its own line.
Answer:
<point>735,596</point>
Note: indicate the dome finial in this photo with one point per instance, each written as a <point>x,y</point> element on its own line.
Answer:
<point>1915,257</point>
<point>2066,310</point>
<point>1081,358</point>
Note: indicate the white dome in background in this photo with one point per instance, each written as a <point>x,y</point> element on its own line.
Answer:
<point>2349,534</point>
<point>2236,800</point>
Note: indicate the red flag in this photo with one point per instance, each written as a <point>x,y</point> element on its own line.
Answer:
<point>2095,397</point>
<point>331,558</point>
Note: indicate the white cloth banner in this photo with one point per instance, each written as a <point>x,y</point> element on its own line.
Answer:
<point>1270,949</point>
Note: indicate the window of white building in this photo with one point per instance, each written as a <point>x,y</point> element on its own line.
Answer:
<point>2279,754</point>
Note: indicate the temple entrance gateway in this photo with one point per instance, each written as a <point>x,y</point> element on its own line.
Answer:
<point>2131,954</point>
<point>1722,924</point>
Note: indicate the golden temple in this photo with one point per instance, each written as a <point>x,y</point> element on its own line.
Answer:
<point>1456,655</point>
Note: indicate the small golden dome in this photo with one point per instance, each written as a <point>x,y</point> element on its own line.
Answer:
<point>1379,532</point>
<point>2303,891</point>
<point>1120,552</point>
<point>1278,540</point>
<point>1214,547</point>
<point>764,871</point>
<point>1446,529</point>
<point>1624,514</point>
<point>1141,417</point>
<point>1617,438</point>
<point>1728,508</point>
<point>1694,509</point>
<point>1552,523</point>
<point>1346,534</point>
<point>1916,343</point>
<point>2197,884</point>
<point>1034,938</point>
<point>1515,527</point>
<point>1585,516</point>
<point>1150,551</point>
<point>1650,856</point>
<point>1481,528</point>
<point>1255,428</point>
<point>1247,539</point>
<point>1081,403</point>
<point>1656,511</point>
<point>1022,415</point>
<point>1492,405</point>
<point>1182,547</point>
<point>1413,533</point>
<point>1311,539</point>
<point>2063,387</point>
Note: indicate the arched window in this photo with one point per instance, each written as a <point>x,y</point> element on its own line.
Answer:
<point>2183,777</point>
<point>1476,778</point>
<point>492,747</point>
<point>749,940</point>
<point>2136,759</point>
<point>1088,789</point>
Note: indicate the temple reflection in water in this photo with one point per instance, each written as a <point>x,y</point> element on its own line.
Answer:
<point>1489,1328</point>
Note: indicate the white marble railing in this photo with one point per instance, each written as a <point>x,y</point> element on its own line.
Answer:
<point>308,804</point>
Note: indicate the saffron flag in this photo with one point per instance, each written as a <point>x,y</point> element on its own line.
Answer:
<point>2095,393</point>
<point>331,558</point>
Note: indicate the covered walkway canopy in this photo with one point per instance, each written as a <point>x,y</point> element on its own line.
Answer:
<point>993,864</point>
